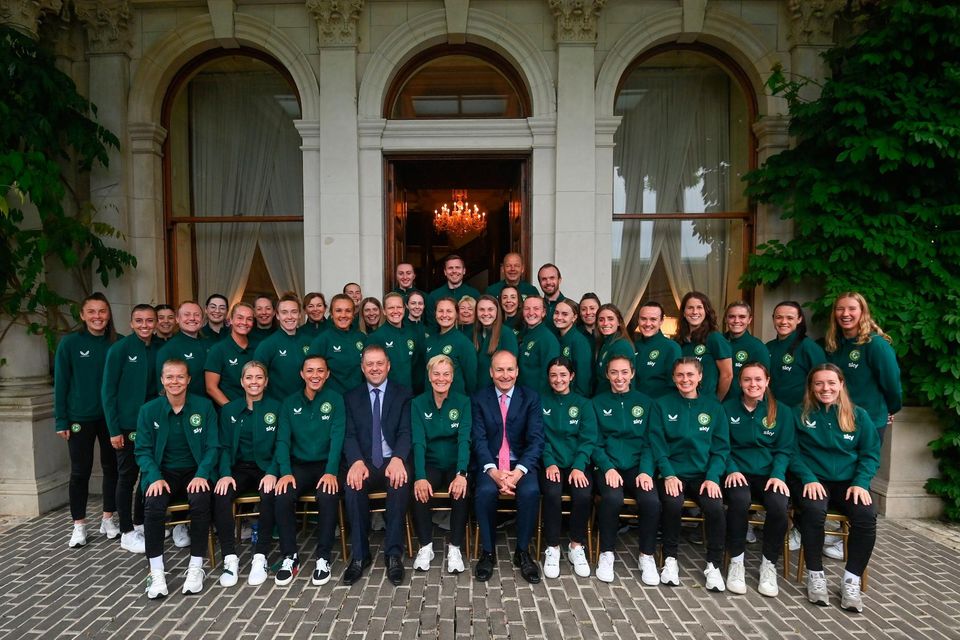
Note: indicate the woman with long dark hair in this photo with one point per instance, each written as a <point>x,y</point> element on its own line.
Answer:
<point>489,336</point>
<point>699,338</point>
<point>612,340</point>
<point>792,354</point>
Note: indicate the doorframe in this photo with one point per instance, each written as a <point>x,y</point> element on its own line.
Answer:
<point>389,221</point>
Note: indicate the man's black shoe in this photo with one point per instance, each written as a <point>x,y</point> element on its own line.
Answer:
<point>528,568</point>
<point>484,569</point>
<point>355,571</point>
<point>395,570</point>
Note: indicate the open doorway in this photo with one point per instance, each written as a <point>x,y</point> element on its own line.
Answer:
<point>417,186</point>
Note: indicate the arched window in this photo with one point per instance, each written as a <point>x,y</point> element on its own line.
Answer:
<point>466,81</point>
<point>233,179</point>
<point>681,221</point>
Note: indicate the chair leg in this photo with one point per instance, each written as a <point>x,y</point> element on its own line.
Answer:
<point>800,564</point>
<point>210,550</point>
<point>343,531</point>
<point>406,520</point>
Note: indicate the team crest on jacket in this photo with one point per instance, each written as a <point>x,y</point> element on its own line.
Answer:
<point>700,349</point>
<point>269,418</point>
<point>530,345</point>
<point>326,407</point>
<point>573,412</point>
<point>359,345</point>
<point>454,415</point>
<point>654,354</point>
<point>854,355</point>
<point>75,427</point>
<point>768,426</point>
<point>742,356</point>
<point>637,411</point>
<point>195,420</point>
<point>306,349</point>
<point>566,352</point>
<point>411,345</point>
<point>704,419</point>
<point>447,349</point>
<point>787,358</point>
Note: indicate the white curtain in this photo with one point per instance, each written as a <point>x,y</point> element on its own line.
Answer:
<point>672,152</point>
<point>244,162</point>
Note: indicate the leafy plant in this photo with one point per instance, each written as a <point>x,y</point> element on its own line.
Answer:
<point>873,189</point>
<point>45,125</point>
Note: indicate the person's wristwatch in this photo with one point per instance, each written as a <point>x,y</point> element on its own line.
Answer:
<point>462,473</point>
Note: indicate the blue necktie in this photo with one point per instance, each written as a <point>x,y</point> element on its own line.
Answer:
<point>377,433</point>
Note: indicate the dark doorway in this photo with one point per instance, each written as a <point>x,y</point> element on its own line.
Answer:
<point>417,186</point>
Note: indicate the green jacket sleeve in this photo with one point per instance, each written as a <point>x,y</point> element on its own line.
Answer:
<point>206,469</point>
<point>111,383</point>
<point>868,461</point>
<point>468,366</point>
<point>418,439</point>
<point>145,449</point>
<point>658,442</point>
<point>600,457</point>
<point>785,444</point>
<point>587,439</point>
<point>719,447</point>
<point>886,371</point>
<point>338,430</point>
<point>463,437</point>
<point>281,455</point>
<point>799,466</point>
<point>226,441</point>
<point>548,456</point>
<point>62,374</point>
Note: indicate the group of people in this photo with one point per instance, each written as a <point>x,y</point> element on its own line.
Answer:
<point>463,397</point>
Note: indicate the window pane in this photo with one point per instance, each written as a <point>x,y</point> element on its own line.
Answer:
<point>683,144</point>
<point>702,255</point>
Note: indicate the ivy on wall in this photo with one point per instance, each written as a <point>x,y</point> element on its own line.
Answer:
<point>873,190</point>
<point>45,126</point>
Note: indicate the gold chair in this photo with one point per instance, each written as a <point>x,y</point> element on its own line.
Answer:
<point>179,513</point>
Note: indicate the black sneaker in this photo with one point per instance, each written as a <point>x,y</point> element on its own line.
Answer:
<point>289,569</point>
<point>321,575</point>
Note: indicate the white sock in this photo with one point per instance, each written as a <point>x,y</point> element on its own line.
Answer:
<point>196,562</point>
<point>738,559</point>
<point>849,577</point>
<point>156,563</point>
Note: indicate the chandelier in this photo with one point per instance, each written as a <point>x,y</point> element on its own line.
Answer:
<point>461,219</point>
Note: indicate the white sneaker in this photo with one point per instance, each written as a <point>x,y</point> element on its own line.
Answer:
<point>670,573</point>
<point>551,562</point>
<point>714,580</point>
<point>454,560</point>
<point>108,527</point>
<point>578,559</point>
<point>794,539</point>
<point>321,575</point>
<point>648,570</point>
<point>605,567</point>
<point>768,579</point>
<point>751,534</point>
<point>133,542</point>
<point>194,580</point>
<point>156,584</point>
<point>181,536</point>
<point>231,571</point>
<point>850,598</point>
<point>258,570</point>
<point>833,547</point>
<point>736,581</point>
<point>817,588</point>
<point>79,536</point>
<point>424,556</point>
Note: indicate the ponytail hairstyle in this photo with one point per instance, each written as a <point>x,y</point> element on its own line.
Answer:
<point>867,324</point>
<point>685,333</point>
<point>801,331</point>
<point>844,405</point>
<point>767,395</point>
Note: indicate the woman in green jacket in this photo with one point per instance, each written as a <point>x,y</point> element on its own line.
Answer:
<point>792,353</point>
<point>762,433</point>
<point>574,345</point>
<point>699,338</point>
<point>612,340</point>
<point>440,421</point>
<point>861,349</point>
<point>315,307</point>
<point>838,453</point>
<point>78,413</point>
<point>745,347</point>
<point>688,435</point>
<point>624,464</point>
<point>570,433</point>
<point>450,342</point>
<point>489,336</point>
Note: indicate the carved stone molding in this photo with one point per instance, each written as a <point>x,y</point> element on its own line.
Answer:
<point>336,21</point>
<point>107,23</point>
<point>812,21</point>
<point>576,19</point>
<point>24,15</point>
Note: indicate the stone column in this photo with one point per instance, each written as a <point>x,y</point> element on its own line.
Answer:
<point>574,243</point>
<point>812,24</point>
<point>108,44</point>
<point>343,234</point>
<point>543,187</point>
<point>33,460</point>
<point>604,129</point>
<point>906,464</point>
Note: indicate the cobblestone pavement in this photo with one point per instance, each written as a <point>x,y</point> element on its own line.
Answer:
<point>50,591</point>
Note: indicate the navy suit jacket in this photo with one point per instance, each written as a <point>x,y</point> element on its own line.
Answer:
<point>524,427</point>
<point>394,422</point>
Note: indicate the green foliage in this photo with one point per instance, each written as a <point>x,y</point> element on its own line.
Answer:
<point>873,190</point>
<point>45,124</point>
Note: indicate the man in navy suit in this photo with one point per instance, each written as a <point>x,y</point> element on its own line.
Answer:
<point>507,444</point>
<point>376,448</point>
